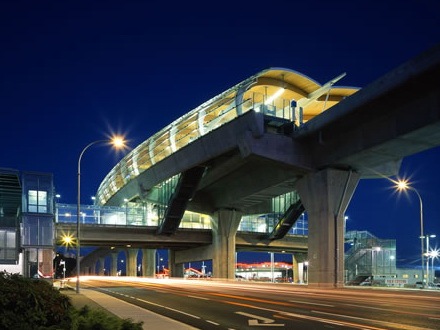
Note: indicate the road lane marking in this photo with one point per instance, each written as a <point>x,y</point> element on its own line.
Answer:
<point>370,307</point>
<point>311,303</point>
<point>196,297</point>
<point>162,306</point>
<point>254,321</point>
<point>312,318</point>
<point>379,322</point>
<point>182,312</point>
<point>212,322</point>
<point>166,307</point>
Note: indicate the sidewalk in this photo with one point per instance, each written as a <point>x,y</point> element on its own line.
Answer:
<point>122,309</point>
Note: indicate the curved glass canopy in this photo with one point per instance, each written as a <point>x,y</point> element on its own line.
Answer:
<point>277,92</point>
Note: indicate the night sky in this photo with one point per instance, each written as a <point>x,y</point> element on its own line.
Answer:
<point>72,72</point>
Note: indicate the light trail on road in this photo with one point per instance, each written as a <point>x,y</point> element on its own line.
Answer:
<point>226,305</point>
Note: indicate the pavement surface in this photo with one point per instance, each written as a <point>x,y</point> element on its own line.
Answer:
<point>122,309</point>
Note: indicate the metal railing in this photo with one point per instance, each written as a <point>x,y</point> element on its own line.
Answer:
<point>184,131</point>
<point>147,216</point>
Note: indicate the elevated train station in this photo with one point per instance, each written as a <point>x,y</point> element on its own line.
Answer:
<point>268,149</point>
<point>229,159</point>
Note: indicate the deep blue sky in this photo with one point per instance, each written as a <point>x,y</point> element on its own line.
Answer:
<point>74,71</point>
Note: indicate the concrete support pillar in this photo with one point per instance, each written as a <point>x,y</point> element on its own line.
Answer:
<point>175,268</point>
<point>326,195</point>
<point>82,269</point>
<point>224,228</point>
<point>131,262</point>
<point>85,270</point>
<point>101,270</point>
<point>295,278</point>
<point>148,262</point>
<point>114,265</point>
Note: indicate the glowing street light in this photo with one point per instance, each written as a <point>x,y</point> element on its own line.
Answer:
<point>306,277</point>
<point>403,185</point>
<point>117,142</point>
<point>428,255</point>
<point>434,254</point>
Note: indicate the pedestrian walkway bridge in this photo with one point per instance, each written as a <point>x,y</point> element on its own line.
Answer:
<point>138,217</point>
<point>106,226</point>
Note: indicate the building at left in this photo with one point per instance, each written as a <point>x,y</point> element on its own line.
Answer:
<point>27,212</point>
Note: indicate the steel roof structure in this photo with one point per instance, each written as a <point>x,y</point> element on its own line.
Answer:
<point>277,92</point>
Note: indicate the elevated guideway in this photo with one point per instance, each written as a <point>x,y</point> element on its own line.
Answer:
<point>396,116</point>
<point>278,134</point>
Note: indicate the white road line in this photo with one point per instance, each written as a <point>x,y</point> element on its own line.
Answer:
<point>162,306</point>
<point>212,322</point>
<point>369,307</point>
<point>181,312</point>
<point>254,320</point>
<point>196,297</point>
<point>381,323</point>
<point>151,303</point>
<point>264,319</point>
<point>310,303</point>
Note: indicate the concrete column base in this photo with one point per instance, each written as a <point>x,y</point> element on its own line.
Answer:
<point>114,264</point>
<point>326,195</point>
<point>131,262</point>
<point>225,225</point>
<point>148,262</point>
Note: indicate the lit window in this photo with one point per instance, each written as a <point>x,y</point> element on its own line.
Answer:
<point>37,201</point>
<point>405,276</point>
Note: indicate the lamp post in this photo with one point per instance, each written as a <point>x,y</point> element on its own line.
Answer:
<point>403,185</point>
<point>63,263</point>
<point>427,256</point>
<point>306,277</point>
<point>118,142</point>
<point>434,254</point>
<point>374,256</point>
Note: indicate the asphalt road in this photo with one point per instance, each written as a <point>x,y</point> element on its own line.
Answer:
<point>208,304</point>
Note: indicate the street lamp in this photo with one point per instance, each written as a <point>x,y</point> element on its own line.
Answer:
<point>159,262</point>
<point>306,277</point>
<point>118,143</point>
<point>403,185</point>
<point>434,254</point>
<point>427,256</point>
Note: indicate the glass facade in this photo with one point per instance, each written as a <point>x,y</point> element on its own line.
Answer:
<point>147,214</point>
<point>8,246</point>
<point>10,207</point>
<point>37,193</point>
<point>369,256</point>
<point>281,93</point>
<point>37,224</point>
<point>132,214</point>
<point>37,231</point>
<point>37,201</point>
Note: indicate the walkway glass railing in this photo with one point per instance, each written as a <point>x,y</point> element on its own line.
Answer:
<point>147,216</point>
<point>265,223</point>
<point>124,216</point>
<point>186,130</point>
<point>276,92</point>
